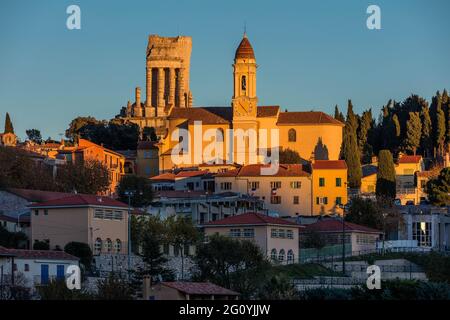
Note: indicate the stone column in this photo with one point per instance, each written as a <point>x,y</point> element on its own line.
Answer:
<point>148,102</point>
<point>161,82</point>
<point>181,87</point>
<point>172,86</point>
<point>137,106</point>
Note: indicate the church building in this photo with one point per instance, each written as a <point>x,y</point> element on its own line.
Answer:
<point>169,107</point>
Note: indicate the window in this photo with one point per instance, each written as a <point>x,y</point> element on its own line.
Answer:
<point>274,233</point>
<point>235,233</point>
<point>254,185</point>
<point>292,135</point>
<point>422,233</point>
<point>244,83</point>
<point>281,255</point>
<point>289,234</point>
<point>338,200</point>
<point>273,255</point>
<point>249,233</point>
<point>281,233</point>
<point>321,200</point>
<point>108,245</point>
<point>98,246</point>
<point>321,182</point>
<point>118,245</point>
<point>296,200</point>
<point>98,214</point>
<point>45,212</point>
<point>36,212</point>
<point>296,184</point>
<point>225,185</point>
<point>338,182</point>
<point>275,184</point>
<point>118,215</point>
<point>275,200</point>
<point>26,267</point>
<point>290,256</point>
<point>148,170</point>
<point>108,215</point>
<point>325,200</point>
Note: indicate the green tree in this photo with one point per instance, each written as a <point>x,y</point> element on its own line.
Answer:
<point>80,250</point>
<point>142,188</point>
<point>338,114</point>
<point>289,156</point>
<point>8,124</point>
<point>152,256</point>
<point>34,135</point>
<point>426,139</point>
<point>57,290</point>
<point>350,152</point>
<point>235,264</point>
<point>149,134</point>
<point>413,132</point>
<point>76,124</point>
<point>439,189</point>
<point>114,287</point>
<point>365,125</point>
<point>386,187</point>
<point>181,234</point>
<point>15,240</point>
<point>439,134</point>
<point>41,245</point>
<point>89,177</point>
<point>365,212</point>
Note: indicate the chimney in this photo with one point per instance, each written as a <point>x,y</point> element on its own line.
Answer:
<point>138,97</point>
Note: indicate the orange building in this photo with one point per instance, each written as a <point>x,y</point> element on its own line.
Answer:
<point>87,150</point>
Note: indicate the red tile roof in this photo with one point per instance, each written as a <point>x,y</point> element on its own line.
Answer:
<point>267,111</point>
<point>334,225</point>
<point>38,195</point>
<point>188,174</point>
<point>37,254</point>
<point>81,200</point>
<point>410,159</point>
<point>251,218</point>
<point>199,288</point>
<point>208,115</point>
<point>244,50</point>
<point>254,170</point>
<point>329,164</point>
<point>310,117</point>
<point>163,177</point>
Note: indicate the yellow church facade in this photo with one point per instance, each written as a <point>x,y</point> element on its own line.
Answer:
<point>243,133</point>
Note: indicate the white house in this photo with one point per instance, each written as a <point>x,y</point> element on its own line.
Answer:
<point>34,267</point>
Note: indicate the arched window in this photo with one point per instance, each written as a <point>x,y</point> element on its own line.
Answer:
<point>98,246</point>
<point>118,245</point>
<point>292,135</point>
<point>290,256</point>
<point>273,255</point>
<point>108,245</point>
<point>281,255</point>
<point>244,83</point>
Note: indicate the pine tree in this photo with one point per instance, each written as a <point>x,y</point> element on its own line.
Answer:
<point>386,187</point>
<point>413,132</point>
<point>350,152</point>
<point>338,114</point>
<point>425,139</point>
<point>8,124</point>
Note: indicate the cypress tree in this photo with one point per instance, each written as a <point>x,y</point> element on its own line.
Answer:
<point>439,133</point>
<point>8,124</point>
<point>425,139</point>
<point>365,125</point>
<point>338,114</point>
<point>385,187</point>
<point>350,151</point>
<point>413,132</point>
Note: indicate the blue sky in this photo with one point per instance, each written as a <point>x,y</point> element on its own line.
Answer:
<point>311,54</point>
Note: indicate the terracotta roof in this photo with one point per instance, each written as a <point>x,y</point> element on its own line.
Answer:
<point>38,195</point>
<point>254,170</point>
<point>329,164</point>
<point>188,174</point>
<point>37,254</point>
<point>199,288</point>
<point>310,117</point>
<point>333,225</point>
<point>267,111</point>
<point>145,145</point>
<point>164,177</point>
<point>81,200</point>
<point>251,218</point>
<point>244,50</point>
<point>410,159</point>
<point>208,115</point>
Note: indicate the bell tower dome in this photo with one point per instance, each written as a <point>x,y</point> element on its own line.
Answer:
<point>244,71</point>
